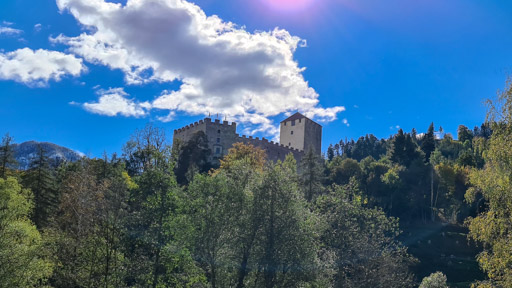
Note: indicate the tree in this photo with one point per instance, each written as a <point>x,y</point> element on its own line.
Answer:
<point>89,227</point>
<point>493,227</point>
<point>243,168</point>
<point>24,260</point>
<point>156,257</point>
<point>311,175</point>
<point>6,155</point>
<point>330,152</point>
<point>143,150</point>
<point>286,246</point>
<point>193,157</point>
<point>361,249</point>
<point>341,170</point>
<point>428,144</point>
<point>434,280</point>
<point>247,152</point>
<point>464,134</point>
<point>403,149</point>
<point>41,180</point>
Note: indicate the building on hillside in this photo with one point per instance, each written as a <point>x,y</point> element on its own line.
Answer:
<point>298,134</point>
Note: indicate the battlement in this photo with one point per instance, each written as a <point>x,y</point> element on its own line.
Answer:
<point>265,143</point>
<point>221,135</point>
<point>203,122</point>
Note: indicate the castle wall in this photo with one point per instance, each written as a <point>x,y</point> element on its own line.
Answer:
<point>222,135</point>
<point>185,133</point>
<point>274,150</point>
<point>312,136</point>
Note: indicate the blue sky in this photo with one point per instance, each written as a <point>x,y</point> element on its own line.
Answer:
<point>86,74</point>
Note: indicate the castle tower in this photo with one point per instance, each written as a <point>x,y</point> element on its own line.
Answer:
<point>300,132</point>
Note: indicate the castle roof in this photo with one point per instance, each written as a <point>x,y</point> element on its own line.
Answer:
<point>295,116</point>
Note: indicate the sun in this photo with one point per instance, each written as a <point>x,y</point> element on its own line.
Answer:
<point>288,5</point>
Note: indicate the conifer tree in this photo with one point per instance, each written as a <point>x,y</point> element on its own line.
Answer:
<point>40,179</point>
<point>6,155</point>
<point>311,175</point>
<point>428,145</point>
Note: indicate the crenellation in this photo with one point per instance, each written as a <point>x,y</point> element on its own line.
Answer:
<point>221,135</point>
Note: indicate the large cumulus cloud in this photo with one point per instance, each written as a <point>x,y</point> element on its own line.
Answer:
<point>223,68</point>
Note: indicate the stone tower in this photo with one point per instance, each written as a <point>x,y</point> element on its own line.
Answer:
<point>300,132</point>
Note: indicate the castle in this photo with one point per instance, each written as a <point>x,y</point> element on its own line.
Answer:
<point>297,135</point>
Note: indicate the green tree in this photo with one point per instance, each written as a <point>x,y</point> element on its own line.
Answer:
<point>434,280</point>
<point>361,246</point>
<point>464,134</point>
<point>330,152</point>
<point>24,260</point>
<point>212,215</point>
<point>41,180</point>
<point>88,228</point>
<point>156,257</point>
<point>193,157</point>
<point>341,170</point>
<point>428,144</point>
<point>493,227</point>
<point>243,168</point>
<point>311,175</point>
<point>6,155</point>
<point>286,246</point>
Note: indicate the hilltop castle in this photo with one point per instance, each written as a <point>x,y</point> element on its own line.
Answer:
<point>297,135</point>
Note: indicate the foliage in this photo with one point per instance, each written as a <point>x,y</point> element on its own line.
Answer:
<point>41,180</point>
<point>434,280</point>
<point>360,242</point>
<point>493,226</point>
<point>311,175</point>
<point>7,159</point>
<point>24,260</point>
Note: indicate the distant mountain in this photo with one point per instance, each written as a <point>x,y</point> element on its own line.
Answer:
<point>26,151</point>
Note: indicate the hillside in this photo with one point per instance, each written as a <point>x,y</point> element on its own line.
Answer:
<point>25,151</point>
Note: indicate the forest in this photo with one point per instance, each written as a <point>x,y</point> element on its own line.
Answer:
<point>162,216</point>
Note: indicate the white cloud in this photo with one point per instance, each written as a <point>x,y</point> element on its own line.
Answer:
<point>222,67</point>
<point>8,31</point>
<point>170,117</point>
<point>38,27</point>
<point>36,68</point>
<point>345,121</point>
<point>114,101</point>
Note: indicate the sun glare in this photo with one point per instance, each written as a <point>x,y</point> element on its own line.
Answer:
<point>288,5</point>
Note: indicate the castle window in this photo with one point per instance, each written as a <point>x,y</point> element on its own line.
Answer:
<point>218,131</point>
<point>289,144</point>
<point>218,140</point>
<point>300,120</point>
<point>217,150</point>
<point>292,132</point>
<point>293,122</point>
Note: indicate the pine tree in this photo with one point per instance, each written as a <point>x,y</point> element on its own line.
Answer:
<point>40,179</point>
<point>428,144</point>
<point>6,155</point>
<point>311,175</point>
